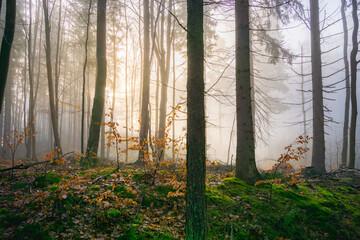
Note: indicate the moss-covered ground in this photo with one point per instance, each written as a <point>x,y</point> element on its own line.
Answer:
<point>129,205</point>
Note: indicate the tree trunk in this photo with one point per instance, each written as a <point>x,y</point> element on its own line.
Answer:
<point>318,154</point>
<point>195,226</point>
<point>245,146</point>
<point>7,114</point>
<point>53,113</point>
<point>57,63</point>
<point>353,63</point>
<point>126,92</point>
<point>144,118</point>
<point>6,44</point>
<point>99,99</point>
<point>347,87</point>
<point>84,79</point>
<point>164,62</point>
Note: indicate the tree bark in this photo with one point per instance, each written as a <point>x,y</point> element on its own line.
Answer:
<point>84,78</point>
<point>53,113</point>
<point>195,225</point>
<point>144,118</point>
<point>245,146</point>
<point>164,64</point>
<point>99,99</point>
<point>353,66</point>
<point>6,44</point>
<point>344,153</point>
<point>318,153</point>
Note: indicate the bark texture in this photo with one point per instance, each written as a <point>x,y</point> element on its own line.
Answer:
<point>99,98</point>
<point>344,153</point>
<point>6,44</point>
<point>144,118</point>
<point>353,66</point>
<point>245,146</point>
<point>318,151</point>
<point>53,113</point>
<point>195,140</point>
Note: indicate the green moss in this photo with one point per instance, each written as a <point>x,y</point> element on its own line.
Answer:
<point>19,185</point>
<point>42,180</point>
<point>216,196</point>
<point>123,191</point>
<point>94,188</point>
<point>31,231</point>
<point>163,190</point>
<point>113,213</point>
<point>53,188</point>
<point>235,187</point>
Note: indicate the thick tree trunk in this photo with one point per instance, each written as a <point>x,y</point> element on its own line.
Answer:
<point>144,118</point>
<point>99,99</point>
<point>344,152</point>
<point>195,226</point>
<point>6,44</point>
<point>245,146</point>
<point>318,153</point>
<point>353,63</point>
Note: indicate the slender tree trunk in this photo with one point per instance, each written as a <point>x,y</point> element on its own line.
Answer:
<point>303,97</point>
<point>6,44</point>
<point>141,60</point>
<point>126,92</point>
<point>50,78</point>
<point>144,118</point>
<point>164,62</point>
<point>57,63</point>
<point>318,154</point>
<point>99,99</point>
<point>173,99</point>
<point>353,62</point>
<point>114,81</point>
<point>84,79</point>
<point>195,225</point>
<point>245,146</point>
<point>344,153</point>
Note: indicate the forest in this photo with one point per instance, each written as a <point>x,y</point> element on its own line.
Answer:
<point>174,119</point>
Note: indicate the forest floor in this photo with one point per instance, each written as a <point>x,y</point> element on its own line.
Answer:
<point>58,202</point>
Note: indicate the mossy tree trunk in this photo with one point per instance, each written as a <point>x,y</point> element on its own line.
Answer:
<point>195,140</point>
<point>245,146</point>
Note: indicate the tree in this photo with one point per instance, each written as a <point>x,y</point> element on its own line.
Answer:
<point>318,153</point>
<point>99,99</point>
<point>163,58</point>
<point>353,66</point>
<point>144,118</point>
<point>53,113</point>
<point>195,141</point>
<point>347,85</point>
<point>84,77</point>
<point>6,44</point>
<point>245,146</point>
